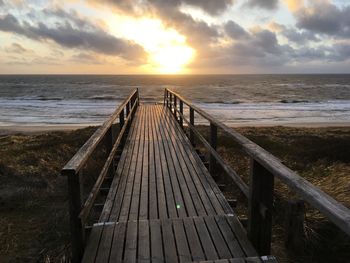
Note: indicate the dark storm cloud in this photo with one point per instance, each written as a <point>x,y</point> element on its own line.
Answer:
<point>325,18</point>
<point>266,4</point>
<point>73,32</point>
<point>234,30</point>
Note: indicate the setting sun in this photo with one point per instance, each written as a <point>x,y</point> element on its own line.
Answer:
<point>166,48</point>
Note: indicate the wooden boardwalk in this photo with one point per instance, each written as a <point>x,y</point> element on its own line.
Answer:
<point>163,205</point>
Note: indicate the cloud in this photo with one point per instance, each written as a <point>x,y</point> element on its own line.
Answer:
<point>135,6</point>
<point>211,7</point>
<point>73,32</point>
<point>323,17</point>
<point>17,49</point>
<point>234,30</point>
<point>266,4</point>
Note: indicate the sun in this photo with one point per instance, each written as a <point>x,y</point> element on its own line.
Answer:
<point>167,50</point>
<point>172,58</point>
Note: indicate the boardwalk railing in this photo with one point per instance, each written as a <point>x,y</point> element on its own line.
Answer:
<point>79,212</point>
<point>264,167</point>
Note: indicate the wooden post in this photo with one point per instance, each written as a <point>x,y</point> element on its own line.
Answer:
<point>260,208</point>
<point>182,112</point>
<point>76,226</point>
<point>109,140</point>
<point>171,102</point>
<point>175,107</point>
<point>165,95</point>
<point>121,125</point>
<point>192,123</point>
<point>167,98</point>
<point>213,143</point>
<point>128,108</point>
<point>295,231</point>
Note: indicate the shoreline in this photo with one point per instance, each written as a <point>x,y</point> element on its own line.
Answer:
<point>36,129</point>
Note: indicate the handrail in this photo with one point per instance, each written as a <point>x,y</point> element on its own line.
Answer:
<point>333,210</point>
<point>84,213</point>
<point>72,170</point>
<point>83,154</point>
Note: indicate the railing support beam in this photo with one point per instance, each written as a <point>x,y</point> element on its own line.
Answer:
<point>121,125</point>
<point>76,226</point>
<point>213,143</point>
<point>182,112</point>
<point>192,123</point>
<point>260,208</point>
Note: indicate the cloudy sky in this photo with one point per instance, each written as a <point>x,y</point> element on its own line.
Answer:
<point>174,36</point>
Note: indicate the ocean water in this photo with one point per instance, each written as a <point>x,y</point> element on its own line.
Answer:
<point>234,99</point>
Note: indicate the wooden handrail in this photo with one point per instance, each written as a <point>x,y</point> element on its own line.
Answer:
<point>333,210</point>
<point>80,158</point>
<point>84,213</point>
<point>72,170</point>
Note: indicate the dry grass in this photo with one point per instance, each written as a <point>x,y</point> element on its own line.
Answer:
<point>34,214</point>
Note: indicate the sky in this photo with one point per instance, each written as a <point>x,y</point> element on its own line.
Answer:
<point>174,36</point>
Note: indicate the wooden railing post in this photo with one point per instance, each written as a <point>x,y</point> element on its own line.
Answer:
<point>121,125</point>
<point>167,98</point>
<point>175,107</point>
<point>192,123</point>
<point>213,143</point>
<point>182,112</point>
<point>76,226</point>
<point>171,102</point>
<point>260,208</point>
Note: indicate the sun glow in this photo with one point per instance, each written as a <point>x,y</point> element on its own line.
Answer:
<point>167,49</point>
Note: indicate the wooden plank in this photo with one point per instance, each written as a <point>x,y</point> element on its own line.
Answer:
<point>104,247</point>
<point>200,198</point>
<point>180,186</point>
<point>130,250</point>
<point>157,251</point>
<point>229,237</point>
<point>193,240</point>
<point>169,241</point>
<point>118,180</point>
<point>126,197</point>
<point>153,202</point>
<point>168,190</point>
<point>214,194</point>
<point>183,250</point>
<point>242,238</point>
<point>92,244</point>
<point>144,246</point>
<point>193,202</point>
<point>172,175</point>
<point>206,241</point>
<point>161,194</point>
<point>135,196</point>
<point>117,249</point>
<point>218,240</point>
<point>122,172</point>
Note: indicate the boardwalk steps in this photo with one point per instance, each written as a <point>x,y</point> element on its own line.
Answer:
<point>162,203</point>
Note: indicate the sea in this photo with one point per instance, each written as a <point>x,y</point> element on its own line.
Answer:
<point>236,100</point>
